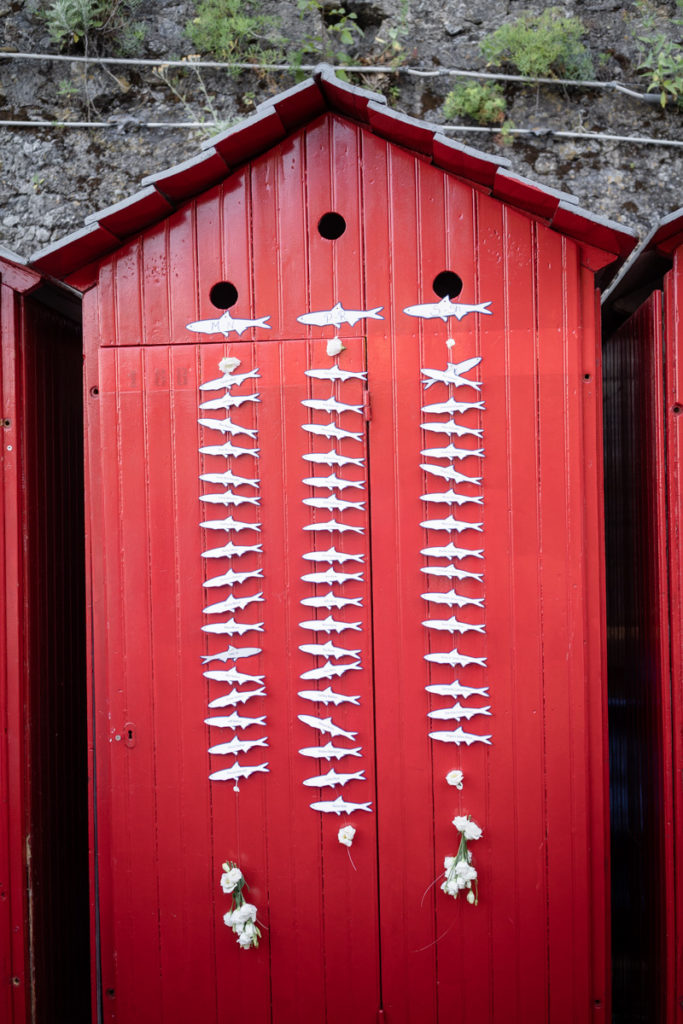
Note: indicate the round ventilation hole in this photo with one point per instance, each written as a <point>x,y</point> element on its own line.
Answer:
<point>447,284</point>
<point>223,295</point>
<point>331,225</point>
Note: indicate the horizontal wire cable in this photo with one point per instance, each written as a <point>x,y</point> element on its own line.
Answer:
<point>349,68</point>
<point>131,122</point>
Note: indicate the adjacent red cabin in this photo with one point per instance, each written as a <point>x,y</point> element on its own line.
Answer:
<point>344,541</point>
<point>643,404</point>
<point>43,725</point>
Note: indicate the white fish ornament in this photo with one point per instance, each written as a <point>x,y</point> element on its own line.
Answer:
<point>236,697</point>
<point>228,449</point>
<point>238,746</point>
<point>450,524</point>
<point>453,625</point>
<point>332,555</point>
<point>451,498</point>
<point>230,524</point>
<point>336,373</point>
<point>226,426</point>
<point>451,427</point>
<point>337,316</point>
<point>232,628</point>
<point>237,772</point>
<point>332,526</point>
<point>450,551</point>
<point>231,550</point>
<point>232,654</point>
<point>452,406</point>
<point>228,579</point>
<point>457,712</point>
<point>331,600</point>
<point>334,504</point>
<point>332,458</point>
<point>329,625</point>
<point>328,751</point>
<point>328,696</point>
<point>229,498</point>
<point>460,736</point>
<point>332,576</point>
<point>340,806</point>
<point>329,671</point>
<point>445,308</point>
<point>451,452</point>
<point>335,778</point>
<point>330,430</point>
<point>228,380</point>
<point>448,473</point>
<point>330,405</point>
<point>456,689</point>
<point>454,658</point>
<point>229,401</point>
<point>451,572</point>
<point>229,478</point>
<point>450,597</point>
<point>234,721</point>
<point>333,482</point>
<point>453,374</point>
<point>231,675</point>
<point>328,650</point>
<point>225,324</point>
<point>232,604</point>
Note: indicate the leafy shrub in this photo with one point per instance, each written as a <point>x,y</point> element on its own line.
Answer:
<point>662,56</point>
<point>541,46</point>
<point>484,102</point>
<point>95,24</point>
<point>233,30</point>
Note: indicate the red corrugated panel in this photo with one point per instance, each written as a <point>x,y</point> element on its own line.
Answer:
<point>536,942</point>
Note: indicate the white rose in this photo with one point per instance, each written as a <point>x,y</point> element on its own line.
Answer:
<point>448,863</point>
<point>334,347</point>
<point>469,828</point>
<point>247,912</point>
<point>248,936</point>
<point>345,835</point>
<point>455,778</point>
<point>231,879</point>
<point>229,364</point>
<point>465,871</point>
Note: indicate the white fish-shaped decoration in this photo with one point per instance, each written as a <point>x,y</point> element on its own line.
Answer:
<point>329,671</point>
<point>450,524</point>
<point>451,498</point>
<point>231,675</point>
<point>228,449</point>
<point>448,473</point>
<point>229,524</point>
<point>337,316</point>
<point>233,628</point>
<point>228,478</point>
<point>238,772</point>
<point>330,430</point>
<point>231,550</point>
<point>456,689</point>
<point>339,806</point>
<point>451,452</point>
<point>451,598</point>
<point>326,725</point>
<point>229,401</point>
<point>232,604</point>
<point>331,600</point>
<point>332,576</point>
<point>328,751</point>
<point>333,482</point>
<point>232,654</point>
<point>453,625</point>
<point>228,498</point>
<point>457,712</point>
<point>329,625</point>
<point>445,308</point>
<point>460,736</point>
<point>226,426</point>
<point>330,405</point>
<point>236,697</point>
<point>454,658</point>
<point>453,374</point>
<point>451,572</point>
<point>328,696</point>
<point>450,551</point>
<point>332,458</point>
<point>332,526</point>
<point>336,373</point>
<point>238,746</point>
<point>335,778</point>
<point>229,578</point>
<point>228,380</point>
<point>328,650</point>
<point>451,427</point>
<point>332,555</point>
<point>334,504</point>
<point>225,324</point>
<point>234,721</point>
<point>452,406</point>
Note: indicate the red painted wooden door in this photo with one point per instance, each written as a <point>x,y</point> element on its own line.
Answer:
<point>350,933</point>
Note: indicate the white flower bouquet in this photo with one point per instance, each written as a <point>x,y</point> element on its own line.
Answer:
<point>242,915</point>
<point>459,874</point>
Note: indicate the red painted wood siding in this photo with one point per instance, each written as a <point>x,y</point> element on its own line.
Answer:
<point>340,941</point>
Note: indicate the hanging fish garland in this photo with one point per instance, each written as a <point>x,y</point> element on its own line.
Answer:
<point>230,526</point>
<point>333,661</point>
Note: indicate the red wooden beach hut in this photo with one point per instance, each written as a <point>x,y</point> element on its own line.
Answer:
<point>368,549</point>
<point>43,729</point>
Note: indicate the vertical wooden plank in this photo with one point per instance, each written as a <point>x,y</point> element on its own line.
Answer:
<point>182,273</point>
<point>405,824</point>
<point>14,937</point>
<point>235,239</point>
<point>127,291</point>
<point>155,285</point>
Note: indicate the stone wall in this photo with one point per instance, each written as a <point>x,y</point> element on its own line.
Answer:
<point>51,178</point>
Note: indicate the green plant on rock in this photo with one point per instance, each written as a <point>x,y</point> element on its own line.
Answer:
<point>235,31</point>
<point>541,46</point>
<point>483,102</point>
<point>329,33</point>
<point>100,25</point>
<point>662,58</point>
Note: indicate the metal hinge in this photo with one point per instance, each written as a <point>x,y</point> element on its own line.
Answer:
<point>367,407</point>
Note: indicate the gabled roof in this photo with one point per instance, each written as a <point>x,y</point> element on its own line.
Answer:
<point>644,273</point>
<point>289,111</point>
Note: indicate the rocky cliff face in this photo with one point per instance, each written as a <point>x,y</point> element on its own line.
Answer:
<point>52,177</point>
